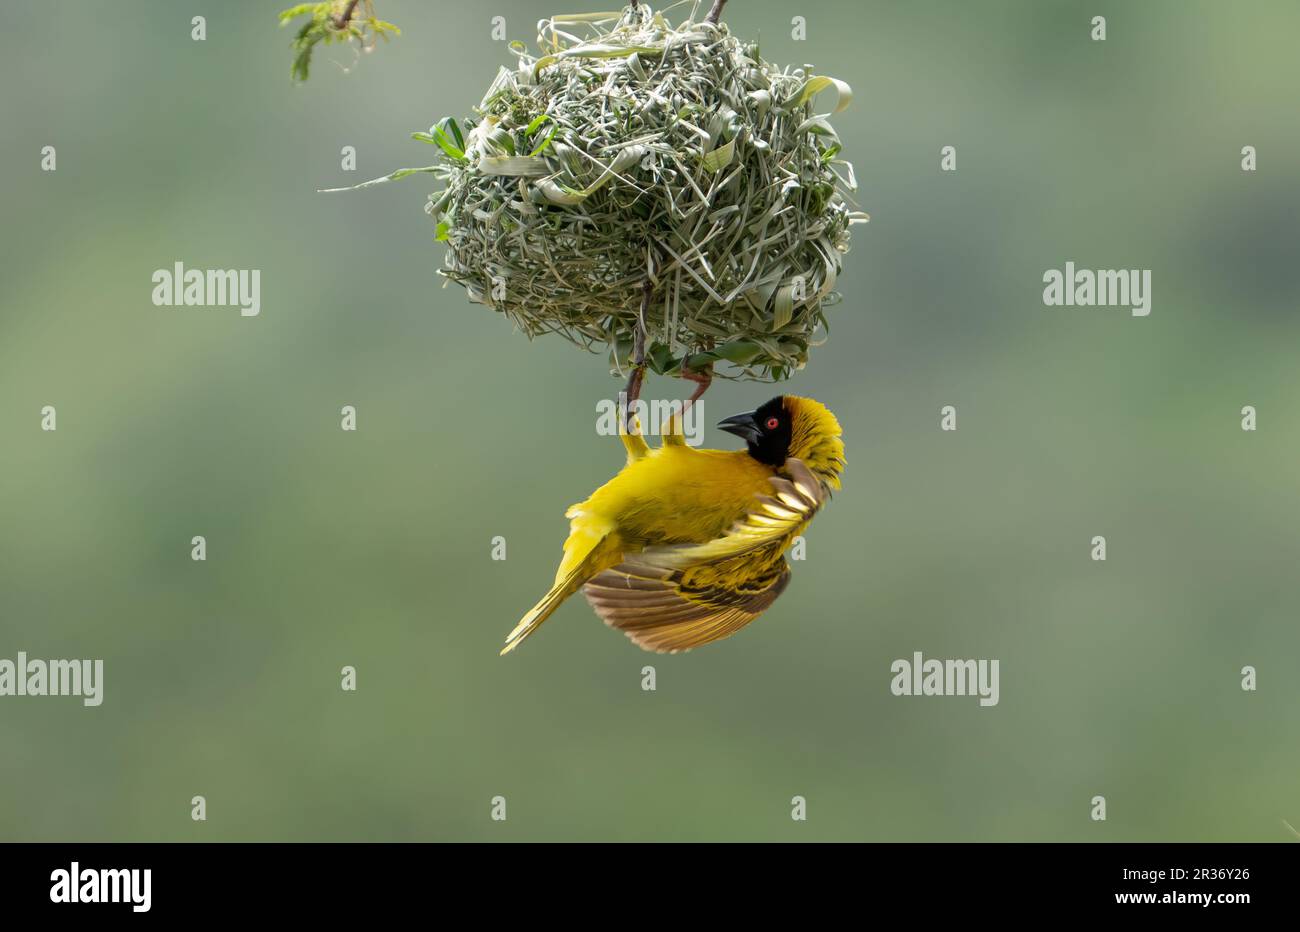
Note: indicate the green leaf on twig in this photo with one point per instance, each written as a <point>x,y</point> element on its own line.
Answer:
<point>334,21</point>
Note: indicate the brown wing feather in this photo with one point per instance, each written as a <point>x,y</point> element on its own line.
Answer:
<point>666,619</point>
<point>677,597</point>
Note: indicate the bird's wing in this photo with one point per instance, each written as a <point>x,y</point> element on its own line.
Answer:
<point>676,597</point>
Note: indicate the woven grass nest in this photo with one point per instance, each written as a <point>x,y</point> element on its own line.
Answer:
<point>632,151</point>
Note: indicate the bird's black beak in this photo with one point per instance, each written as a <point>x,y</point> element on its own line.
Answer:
<point>742,425</point>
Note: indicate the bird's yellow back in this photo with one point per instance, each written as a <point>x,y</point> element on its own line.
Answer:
<point>676,494</point>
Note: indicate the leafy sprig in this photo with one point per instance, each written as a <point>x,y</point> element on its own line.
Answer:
<point>331,22</point>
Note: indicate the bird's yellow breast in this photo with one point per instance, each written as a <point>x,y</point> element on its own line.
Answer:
<point>676,494</point>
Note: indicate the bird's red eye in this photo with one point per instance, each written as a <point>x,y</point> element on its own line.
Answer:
<point>772,423</point>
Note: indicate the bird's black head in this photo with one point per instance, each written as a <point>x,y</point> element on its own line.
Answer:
<point>766,431</point>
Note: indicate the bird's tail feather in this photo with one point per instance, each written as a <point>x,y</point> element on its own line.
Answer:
<point>543,609</point>
<point>588,550</point>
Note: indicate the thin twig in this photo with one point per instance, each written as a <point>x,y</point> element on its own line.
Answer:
<point>341,22</point>
<point>716,13</point>
<point>634,379</point>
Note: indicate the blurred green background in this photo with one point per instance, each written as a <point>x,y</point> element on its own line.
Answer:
<point>372,549</point>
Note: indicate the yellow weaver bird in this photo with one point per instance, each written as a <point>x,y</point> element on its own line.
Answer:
<point>686,546</point>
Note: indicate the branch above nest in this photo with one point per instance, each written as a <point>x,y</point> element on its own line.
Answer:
<point>341,21</point>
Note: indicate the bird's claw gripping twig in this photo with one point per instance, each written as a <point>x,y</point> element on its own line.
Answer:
<point>702,379</point>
